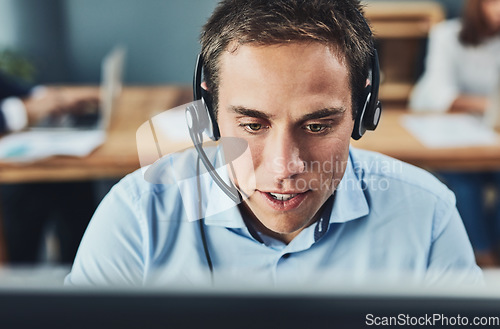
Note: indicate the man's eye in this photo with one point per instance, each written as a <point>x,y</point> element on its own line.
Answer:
<point>252,126</point>
<point>315,128</point>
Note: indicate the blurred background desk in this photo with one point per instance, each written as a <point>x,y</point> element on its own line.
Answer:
<point>392,139</point>
<point>118,155</point>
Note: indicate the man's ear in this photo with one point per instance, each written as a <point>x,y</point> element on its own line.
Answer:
<point>366,85</point>
<point>204,86</point>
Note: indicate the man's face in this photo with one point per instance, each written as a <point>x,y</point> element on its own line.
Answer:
<point>292,104</point>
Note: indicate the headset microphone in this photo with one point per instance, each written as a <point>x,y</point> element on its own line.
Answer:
<point>197,123</point>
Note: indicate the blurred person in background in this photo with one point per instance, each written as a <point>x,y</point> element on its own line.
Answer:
<point>462,70</point>
<point>26,209</point>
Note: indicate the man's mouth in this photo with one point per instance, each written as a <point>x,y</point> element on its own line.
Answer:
<point>284,201</point>
<point>283,197</point>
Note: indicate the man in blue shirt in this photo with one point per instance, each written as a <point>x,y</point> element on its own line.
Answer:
<point>293,80</point>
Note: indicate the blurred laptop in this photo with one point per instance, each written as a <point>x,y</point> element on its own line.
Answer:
<point>98,118</point>
<point>492,113</point>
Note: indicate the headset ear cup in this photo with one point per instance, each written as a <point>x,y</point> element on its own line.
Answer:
<point>368,118</point>
<point>359,128</point>
<point>199,94</point>
<point>374,109</point>
<point>213,129</point>
<point>372,118</point>
<point>369,115</point>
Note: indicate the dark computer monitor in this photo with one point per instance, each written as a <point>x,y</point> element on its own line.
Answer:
<point>244,308</point>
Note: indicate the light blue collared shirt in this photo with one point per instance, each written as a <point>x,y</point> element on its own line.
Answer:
<point>386,218</point>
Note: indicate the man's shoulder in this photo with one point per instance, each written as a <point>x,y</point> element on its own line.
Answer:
<point>372,165</point>
<point>161,176</point>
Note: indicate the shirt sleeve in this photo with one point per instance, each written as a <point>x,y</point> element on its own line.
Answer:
<point>437,88</point>
<point>14,114</point>
<point>451,259</point>
<point>111,251</point>
<point>3,127</point>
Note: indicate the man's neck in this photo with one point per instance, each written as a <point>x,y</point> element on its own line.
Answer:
<point>255,226</point>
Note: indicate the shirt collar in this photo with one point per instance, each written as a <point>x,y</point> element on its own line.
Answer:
<point>350,200</point>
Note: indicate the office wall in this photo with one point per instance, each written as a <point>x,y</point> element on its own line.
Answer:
<point>7,33</point>
<point>161,37</point>
<point>67,39</point>
<point>453,8</point>
<point>34,29</point>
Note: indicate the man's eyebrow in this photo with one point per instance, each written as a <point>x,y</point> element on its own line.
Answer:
<point>250,112</point>
<point>320,114</point>
<point>323,113</point>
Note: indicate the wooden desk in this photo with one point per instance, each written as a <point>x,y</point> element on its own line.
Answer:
<point>392,139</point>
<point>118,156</point>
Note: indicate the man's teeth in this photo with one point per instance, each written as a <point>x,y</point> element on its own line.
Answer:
<point>283,197</point>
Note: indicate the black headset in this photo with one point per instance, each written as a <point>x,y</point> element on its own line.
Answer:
<point>209,125</point>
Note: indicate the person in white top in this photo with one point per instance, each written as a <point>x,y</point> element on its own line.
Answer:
<point>462,70</point>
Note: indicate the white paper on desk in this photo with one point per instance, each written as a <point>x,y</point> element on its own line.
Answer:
<point>34,145</point>
<point>173,125</point>
<point>449,130</point>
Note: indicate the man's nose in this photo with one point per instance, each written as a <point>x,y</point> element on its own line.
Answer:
<point>284,156</point>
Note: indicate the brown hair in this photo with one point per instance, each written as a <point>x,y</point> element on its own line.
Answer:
<point>336,23</point>
<point>474,26</point>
